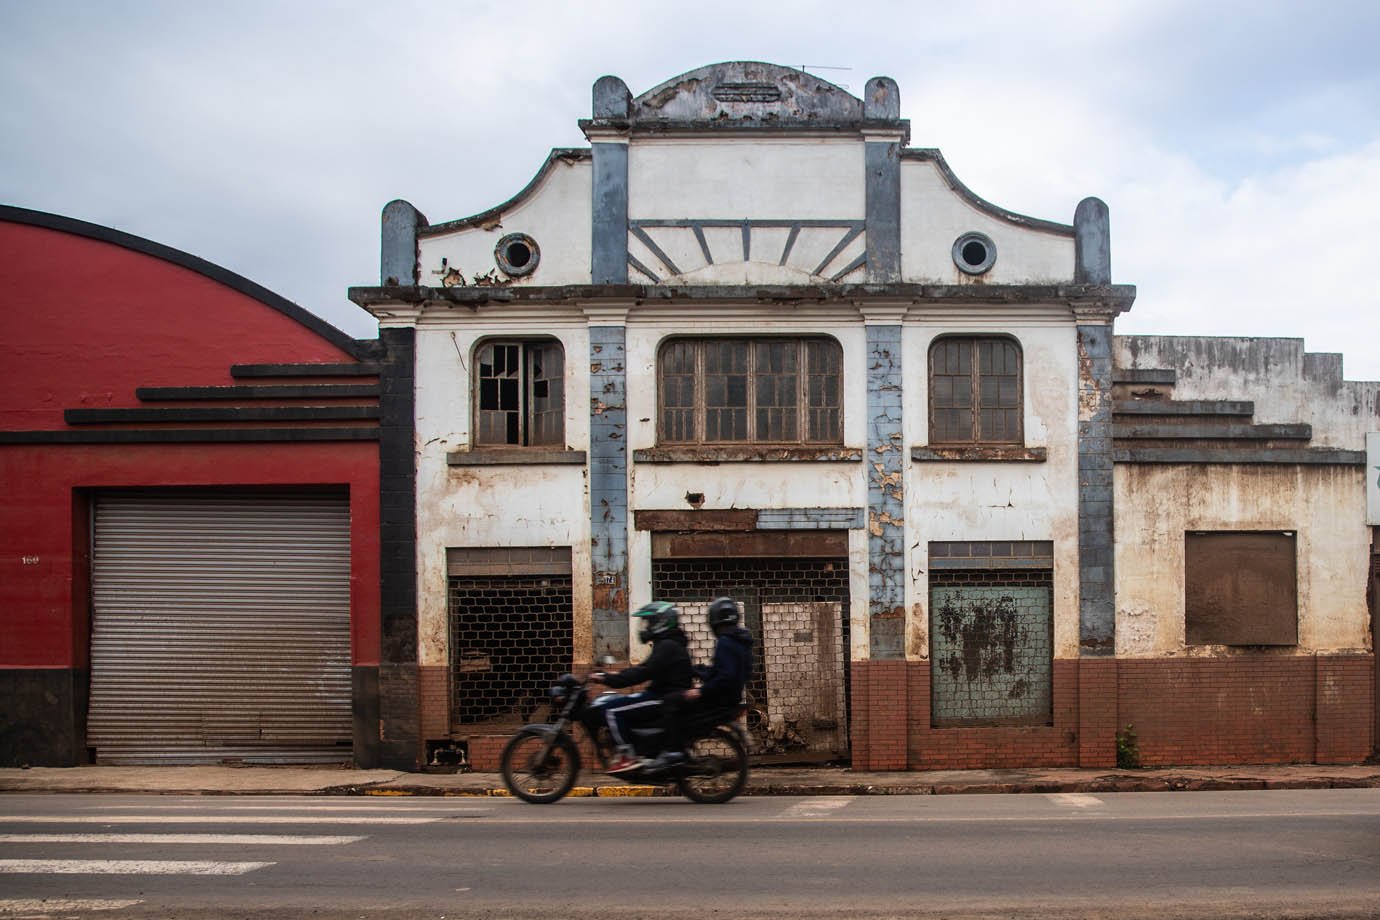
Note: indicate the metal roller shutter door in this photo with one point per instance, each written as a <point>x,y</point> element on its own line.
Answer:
<point>220,628</point>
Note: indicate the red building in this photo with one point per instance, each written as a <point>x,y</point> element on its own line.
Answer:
<point>189,539</point>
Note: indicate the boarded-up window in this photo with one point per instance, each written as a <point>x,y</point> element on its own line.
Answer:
<point>750,391</point>
<point>519,391</point>
<point>975,391</point>
<point>1240,589</point>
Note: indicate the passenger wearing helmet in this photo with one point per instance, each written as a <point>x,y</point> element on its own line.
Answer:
<point>667,670</point>
<point>721,683</point>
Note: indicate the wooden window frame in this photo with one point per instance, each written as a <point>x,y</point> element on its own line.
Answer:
<point>805,371</point>
<point>975,436</point>
<point>527,384</point>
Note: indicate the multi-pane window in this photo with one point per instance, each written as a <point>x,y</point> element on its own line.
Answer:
<point>975,391</point>
<point>751,390</point>
<point>520,394</point>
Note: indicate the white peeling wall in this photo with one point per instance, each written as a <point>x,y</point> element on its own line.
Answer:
<point>933,216</point>
<point>1286,383</point>
<point>493,506</point>
<point>787,178</point>
<point>756,485</point>
<point>556,215</point>
<point>1005,500</point>
<point>1157,503</point>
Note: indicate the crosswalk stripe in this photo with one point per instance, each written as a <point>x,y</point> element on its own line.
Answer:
<point>255,839</point>
<point>45,907</point>
<point>216,819</point>
<point>125,867</point>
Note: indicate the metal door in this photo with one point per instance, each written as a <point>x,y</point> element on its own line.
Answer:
<point>220,627</point>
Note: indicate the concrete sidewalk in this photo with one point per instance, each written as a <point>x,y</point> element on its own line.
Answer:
<point>343,780</point>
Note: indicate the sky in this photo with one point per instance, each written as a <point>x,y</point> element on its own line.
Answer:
<point>1237,144</point>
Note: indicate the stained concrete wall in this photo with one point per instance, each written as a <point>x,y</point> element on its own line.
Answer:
<point>1000,500</point>
<point>1157,503</point>
<point>1286,382</point>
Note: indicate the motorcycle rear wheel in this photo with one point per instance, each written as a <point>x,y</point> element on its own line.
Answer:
<point>716,769</point>
<point>536,777</point>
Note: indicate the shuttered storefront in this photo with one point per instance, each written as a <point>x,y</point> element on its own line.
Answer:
<point>220,628</point>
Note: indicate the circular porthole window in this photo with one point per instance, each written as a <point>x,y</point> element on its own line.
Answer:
<point>517,255</point>
<point>974,253</point>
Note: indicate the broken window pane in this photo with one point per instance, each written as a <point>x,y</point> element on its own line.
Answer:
<point>520,394</point>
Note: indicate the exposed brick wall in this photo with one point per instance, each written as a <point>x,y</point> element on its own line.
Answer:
<point>1346,700</point>
<point>993,747</point>
<point>1097,711</point>
<point>1246,709</point>
<point>433,687</point>
<point>880,702</point>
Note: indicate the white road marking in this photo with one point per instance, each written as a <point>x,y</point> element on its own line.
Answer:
<point>390,808</point>
<point>254,839</point>
<point>816,807</point>
<point>126,867</point>
<point>44,906</point>
<point>215,819</point>
<point>1075,799</point>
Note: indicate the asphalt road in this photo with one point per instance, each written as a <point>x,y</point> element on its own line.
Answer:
<point>1163,855</point>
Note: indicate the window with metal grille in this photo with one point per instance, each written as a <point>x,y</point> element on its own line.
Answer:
<point>510,638</point>
<point>975,391</point>
<point>519,394</point>
<point>797,612</point>
<point>991,647</point>
<point>750,391</point>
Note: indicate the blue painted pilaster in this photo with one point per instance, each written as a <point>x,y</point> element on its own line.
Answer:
<point>398,256</point>
<point>1096,535</point>
<point>885,459</point>
<point>609,215</point>
<point>608,489</point>
<point>882,160</point>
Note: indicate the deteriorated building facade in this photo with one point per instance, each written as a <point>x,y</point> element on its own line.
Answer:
<point>749,341</point>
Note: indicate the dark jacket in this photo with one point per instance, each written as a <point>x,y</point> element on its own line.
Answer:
<point>667,667</point>
<point>724,680</point>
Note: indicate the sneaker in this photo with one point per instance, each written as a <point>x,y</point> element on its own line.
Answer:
<point>624,762</point>
<point>664,760</point>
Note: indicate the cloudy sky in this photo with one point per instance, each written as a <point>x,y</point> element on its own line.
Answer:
<point>1236,143</point>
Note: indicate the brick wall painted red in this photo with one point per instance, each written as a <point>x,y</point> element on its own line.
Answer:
<point>1241,709</point>
<point>1097,712</point>
<point>994,747</point>
<point>881,696</point>
<point>1345,699</point>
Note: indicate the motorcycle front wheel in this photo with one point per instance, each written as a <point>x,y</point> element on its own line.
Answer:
<point>716,768</point>
<point>538,768</point>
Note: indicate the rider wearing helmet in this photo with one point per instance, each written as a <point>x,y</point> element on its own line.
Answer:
<point>721,683</point>
<point>667,670</point>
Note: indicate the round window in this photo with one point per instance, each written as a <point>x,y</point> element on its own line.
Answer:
<point>974,253</point>
<point>517,254</point>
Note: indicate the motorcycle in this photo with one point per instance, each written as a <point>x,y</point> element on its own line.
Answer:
<point>541,761</point>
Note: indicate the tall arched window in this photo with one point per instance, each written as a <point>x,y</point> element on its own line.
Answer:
<point>519,393</point>
<point>975,390</point>
<point>774,390</point>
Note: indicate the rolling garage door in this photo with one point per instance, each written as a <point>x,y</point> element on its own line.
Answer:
<point>220,628</point>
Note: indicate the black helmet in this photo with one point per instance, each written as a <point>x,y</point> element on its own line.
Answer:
<point>723,614</point>
<point>659,618</point>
